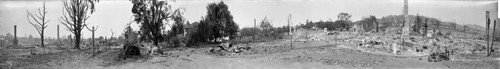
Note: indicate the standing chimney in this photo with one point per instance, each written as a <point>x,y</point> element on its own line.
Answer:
<point>15,41</point>
<point>406,24</point>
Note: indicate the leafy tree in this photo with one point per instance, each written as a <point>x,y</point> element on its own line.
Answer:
<point>216,24</point>
<point>265,24</point>
<point>151,16</point>
<point>76,13</point>
<point>203,33</point>
<point>176,34</point>
<point>341,25</point>
<point>266,27</point>
<point>221,21</point>
<point>39,22</point>
<point>344,16</point>
<point>178,26</point>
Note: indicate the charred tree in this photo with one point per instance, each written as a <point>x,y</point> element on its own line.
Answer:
<point>39,21</point>
<point>75,15</point>
<point>493,37</point>
<point>488,33</point>
<point>425,27</point>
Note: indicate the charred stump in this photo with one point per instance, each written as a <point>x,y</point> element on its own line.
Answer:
<point>130,50</point>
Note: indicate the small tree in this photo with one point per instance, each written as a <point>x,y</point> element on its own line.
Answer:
<point>265,24</point>
<point>176,34</point>
<point>39,22</point>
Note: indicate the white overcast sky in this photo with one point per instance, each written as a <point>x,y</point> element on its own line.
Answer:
<point>115,14</point>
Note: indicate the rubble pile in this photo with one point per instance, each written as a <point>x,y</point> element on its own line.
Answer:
<point>225,48</point>
<point>411,45</point>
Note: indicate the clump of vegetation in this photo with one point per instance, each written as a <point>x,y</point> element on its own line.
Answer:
<point>343,23</point>
<point>217,24</point>
<point>265,32</point>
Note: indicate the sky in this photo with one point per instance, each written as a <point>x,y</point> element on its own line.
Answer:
<point>113,15</point>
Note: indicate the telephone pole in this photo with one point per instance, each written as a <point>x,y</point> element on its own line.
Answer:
<point>93,40</point>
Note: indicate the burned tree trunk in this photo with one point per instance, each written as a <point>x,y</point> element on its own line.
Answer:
<point>425,27</point>
<point>487,33</point>
<point>493,37</point>
<point>75,15</point>
<point>39,22</point>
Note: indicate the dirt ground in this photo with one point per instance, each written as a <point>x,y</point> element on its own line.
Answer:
<point>303,54</point>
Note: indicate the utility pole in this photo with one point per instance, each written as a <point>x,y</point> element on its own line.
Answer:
<point>290,30</point>
<point>93,40</point>
<point>254,23</point>
<point>58,40</point>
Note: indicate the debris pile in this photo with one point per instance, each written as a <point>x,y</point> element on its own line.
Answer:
<point>229,48</point>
